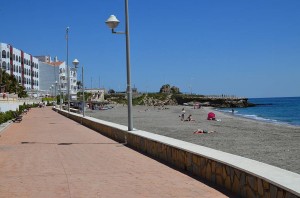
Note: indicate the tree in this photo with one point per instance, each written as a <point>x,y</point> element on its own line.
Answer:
<point>11,85</point>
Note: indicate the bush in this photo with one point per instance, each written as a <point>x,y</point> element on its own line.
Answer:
<point>4,117</point>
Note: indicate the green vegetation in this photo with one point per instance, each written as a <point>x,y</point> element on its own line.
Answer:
<point>118,98</point>
<point>4,117</point>
<point>79,96</point>
<point>184,98</point>
<point>9,115</point>
<point>11,85</point>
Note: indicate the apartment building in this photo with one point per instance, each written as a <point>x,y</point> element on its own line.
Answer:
<point>54,77</point>
<point>22,65</point>
<point>40,75</point>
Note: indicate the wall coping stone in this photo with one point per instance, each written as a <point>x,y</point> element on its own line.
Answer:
<point>284,179</point>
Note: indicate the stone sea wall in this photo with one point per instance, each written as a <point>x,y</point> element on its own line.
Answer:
<point>242,176</point>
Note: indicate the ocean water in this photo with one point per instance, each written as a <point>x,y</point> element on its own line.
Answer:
<point>275,110</point>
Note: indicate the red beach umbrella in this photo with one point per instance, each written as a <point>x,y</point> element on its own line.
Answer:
<point>211,116</point>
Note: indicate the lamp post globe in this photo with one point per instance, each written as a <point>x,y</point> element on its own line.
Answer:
<point>112,22</point>
<point>75,62</point>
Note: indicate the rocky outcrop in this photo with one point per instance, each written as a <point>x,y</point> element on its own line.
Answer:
<point>231,103</point>
<point>220,102</point>
<point>151,101</point>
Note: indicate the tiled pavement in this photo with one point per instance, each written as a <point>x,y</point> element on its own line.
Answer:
<point>48,155</point>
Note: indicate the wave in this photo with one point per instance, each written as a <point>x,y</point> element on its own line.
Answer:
<point>251,116</point>
<point>226,111</point>
<point>255,117</point>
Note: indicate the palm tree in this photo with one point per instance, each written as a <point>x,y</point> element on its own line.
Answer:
<point>11,84</point>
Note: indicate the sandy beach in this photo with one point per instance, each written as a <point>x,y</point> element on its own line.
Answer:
<point>273,144</point>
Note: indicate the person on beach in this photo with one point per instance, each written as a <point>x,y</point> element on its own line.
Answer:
<point>189,118</point>
<point>182,114</point>
<point>201,131</point>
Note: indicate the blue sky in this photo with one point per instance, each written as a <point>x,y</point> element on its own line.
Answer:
<point>246,48</point>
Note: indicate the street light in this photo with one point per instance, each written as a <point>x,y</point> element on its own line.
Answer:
<point>59,84</point>
<point>75,63</point>
<point>55,88</point>
<point>52,89</point>
<point>50,93</point>
<point>68,69</point>
<point>112,22</point>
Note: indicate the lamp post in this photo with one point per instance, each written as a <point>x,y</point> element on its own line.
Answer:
<point>59,84</point>
<point>76,63</point>
<point>112,22</point>
<point>83,97</point>
<point>55,88</point>
<point>68,69</point>
<point>52,87</point>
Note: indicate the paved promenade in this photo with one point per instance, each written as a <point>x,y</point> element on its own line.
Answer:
<point>48,155</point>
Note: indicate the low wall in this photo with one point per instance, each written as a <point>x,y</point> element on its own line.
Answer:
<point>14,105</point>
<point>242,176</point>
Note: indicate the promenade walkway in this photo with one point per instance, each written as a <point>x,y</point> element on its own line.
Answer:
<point>48,155</point>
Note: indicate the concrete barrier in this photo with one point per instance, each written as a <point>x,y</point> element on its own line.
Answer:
<point>242,176</point>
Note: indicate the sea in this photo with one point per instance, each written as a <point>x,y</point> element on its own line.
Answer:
<point>283,110</point>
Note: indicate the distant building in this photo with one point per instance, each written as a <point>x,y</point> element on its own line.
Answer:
<point>55,73</point>
<point>22,65</point>
<point>49,74</point>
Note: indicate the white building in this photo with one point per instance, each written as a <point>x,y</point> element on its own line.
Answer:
<point>23,66</point>
<point>49,71</point>
<point>37,74</point>
<point>55,73</point>
<point>73,80</point>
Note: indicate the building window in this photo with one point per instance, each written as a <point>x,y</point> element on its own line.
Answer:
<point>19,59</point>
<point>14,57</point>
<point>7,54</point>
<point>19,79</point>
<point>8,66</point>
<point>3,54</point>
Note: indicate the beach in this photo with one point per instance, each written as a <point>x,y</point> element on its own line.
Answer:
<point>274,144</point>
